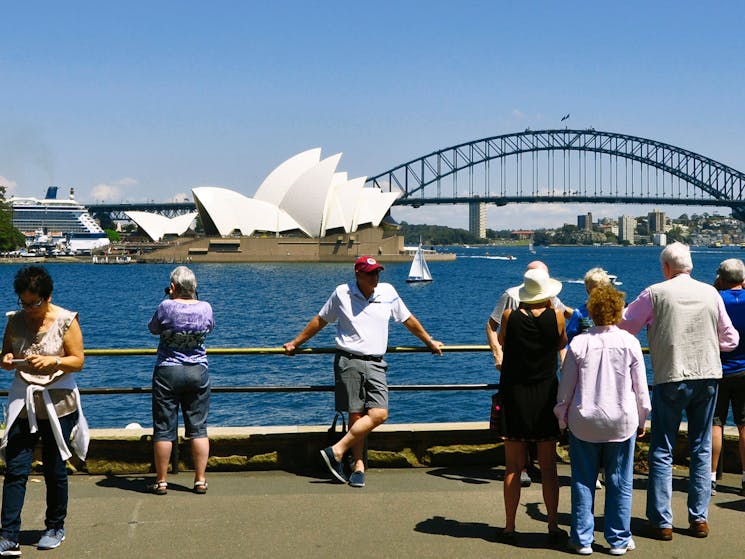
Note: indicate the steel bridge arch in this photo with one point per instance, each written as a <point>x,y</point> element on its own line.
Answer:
<point>720,182</point>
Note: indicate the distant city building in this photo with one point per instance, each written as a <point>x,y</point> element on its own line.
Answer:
<point>626,228</point>
<point>477,219</point>
<point>659,239</point>
<point>584,222</point>
<point>656,222</point>
<point>606,227</point>
<point>521,234</point>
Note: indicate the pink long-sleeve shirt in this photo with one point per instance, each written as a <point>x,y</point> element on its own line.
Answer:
<point>603,394</point>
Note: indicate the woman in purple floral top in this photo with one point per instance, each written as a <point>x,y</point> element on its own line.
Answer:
<point>181,377</point>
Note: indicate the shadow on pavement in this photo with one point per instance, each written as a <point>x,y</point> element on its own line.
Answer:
<point>441,526</point>
<point>734,505</point>
<point>467,475</point>
<point>138,484</point>
<point>29,537</point>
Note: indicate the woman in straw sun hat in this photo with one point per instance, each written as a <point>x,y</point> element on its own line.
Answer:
<point>532,336</point>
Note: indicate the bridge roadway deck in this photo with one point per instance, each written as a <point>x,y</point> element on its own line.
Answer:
<point>417,513</point>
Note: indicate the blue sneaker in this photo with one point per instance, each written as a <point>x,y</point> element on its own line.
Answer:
<point>9,548</point>
<point>335,467</point>
<point>357,479</point>
<point>51,538</point>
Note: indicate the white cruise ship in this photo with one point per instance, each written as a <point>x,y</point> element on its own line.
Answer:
<point>67,221</point>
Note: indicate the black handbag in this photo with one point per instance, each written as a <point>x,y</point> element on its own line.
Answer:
<point>334,435</point>
<point>495,417</point>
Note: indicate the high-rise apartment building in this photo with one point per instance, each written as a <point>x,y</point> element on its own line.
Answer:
<point>477,219</point>
<point>656,222</point>
<point>584,222</point>
<point>626,228</point>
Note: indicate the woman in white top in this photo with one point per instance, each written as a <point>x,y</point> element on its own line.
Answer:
<point>44,344</point>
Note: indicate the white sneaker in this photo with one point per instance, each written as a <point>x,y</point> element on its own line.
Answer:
<point>622,550</point>
<point>579,549</point>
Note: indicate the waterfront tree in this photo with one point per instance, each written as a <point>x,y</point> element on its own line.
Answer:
<point>541,237</point>
<point>10,237</point>
<point>437,235</point>
<point>677,234</point>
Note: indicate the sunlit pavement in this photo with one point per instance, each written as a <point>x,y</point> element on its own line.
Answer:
<point>413,513</point>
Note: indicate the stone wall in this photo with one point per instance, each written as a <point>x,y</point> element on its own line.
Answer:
<point>296,449</point>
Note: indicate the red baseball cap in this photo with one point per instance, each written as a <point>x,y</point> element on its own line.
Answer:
<point>366,264</point>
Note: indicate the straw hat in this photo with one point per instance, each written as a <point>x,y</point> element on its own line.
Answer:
<point>536,287</point>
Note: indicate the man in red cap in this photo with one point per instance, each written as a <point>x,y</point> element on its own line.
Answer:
<point>361,310</point>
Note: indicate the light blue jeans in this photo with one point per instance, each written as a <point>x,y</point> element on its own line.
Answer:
<point>669,400</point>
<point>617,460</point>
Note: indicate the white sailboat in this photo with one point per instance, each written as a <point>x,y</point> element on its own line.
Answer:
<point>419,271</point>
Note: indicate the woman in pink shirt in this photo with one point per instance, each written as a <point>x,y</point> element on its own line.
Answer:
<point>604,400</point>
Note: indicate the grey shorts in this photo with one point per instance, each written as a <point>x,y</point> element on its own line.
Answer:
<point>360,385</point>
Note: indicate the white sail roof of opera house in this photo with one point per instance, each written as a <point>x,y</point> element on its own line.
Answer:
<point>231,211</point>
<point>157,226</point>
<point>304,193</point>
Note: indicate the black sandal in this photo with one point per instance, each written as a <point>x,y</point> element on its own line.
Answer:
<point>159,488</point>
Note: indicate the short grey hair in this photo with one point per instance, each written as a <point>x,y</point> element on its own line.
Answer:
<point>678,257</point>
<point>731,271</point>
<point>596,277</point>
<point>184,280</point>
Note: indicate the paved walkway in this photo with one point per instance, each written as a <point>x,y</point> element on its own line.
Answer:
<point>413,513</point>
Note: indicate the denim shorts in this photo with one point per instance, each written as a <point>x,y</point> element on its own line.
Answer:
<point>360,385</point>
<point>184,385</point>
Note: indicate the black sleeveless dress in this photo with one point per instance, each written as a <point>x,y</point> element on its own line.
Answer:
<point>528,382</point>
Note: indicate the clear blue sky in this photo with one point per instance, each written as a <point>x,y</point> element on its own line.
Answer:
<point>144,100</point>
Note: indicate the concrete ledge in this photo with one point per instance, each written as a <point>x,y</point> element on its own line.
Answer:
<point>296,448</point>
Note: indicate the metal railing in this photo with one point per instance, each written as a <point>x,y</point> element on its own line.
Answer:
<point>135,352</point>
<point>285,389</point>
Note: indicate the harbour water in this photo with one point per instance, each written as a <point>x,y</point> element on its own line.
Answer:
<point>265,305</point>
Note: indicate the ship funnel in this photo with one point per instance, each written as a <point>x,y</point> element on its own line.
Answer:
<point>72,193</point>
<point>51,193</point>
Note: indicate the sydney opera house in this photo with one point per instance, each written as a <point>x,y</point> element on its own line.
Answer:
<point>305,210</point>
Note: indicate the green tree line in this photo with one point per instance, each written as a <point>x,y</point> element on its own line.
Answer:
<point>10,237</point>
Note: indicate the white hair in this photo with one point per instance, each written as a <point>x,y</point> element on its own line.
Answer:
<point>731,271</point>
<point>595,277</point>
<point>184,280</point>
<point>678,257</point>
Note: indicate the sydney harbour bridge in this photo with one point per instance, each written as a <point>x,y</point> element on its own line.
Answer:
<point>546,166</point>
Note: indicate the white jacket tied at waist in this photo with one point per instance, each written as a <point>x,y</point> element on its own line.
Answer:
<point>22,394</point>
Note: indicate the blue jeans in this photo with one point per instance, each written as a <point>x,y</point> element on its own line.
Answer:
<point>18,456</point>
<point>669,400</point>
<point>617,460</point>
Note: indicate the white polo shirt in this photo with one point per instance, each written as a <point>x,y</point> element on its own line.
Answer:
<point>362,324</point>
